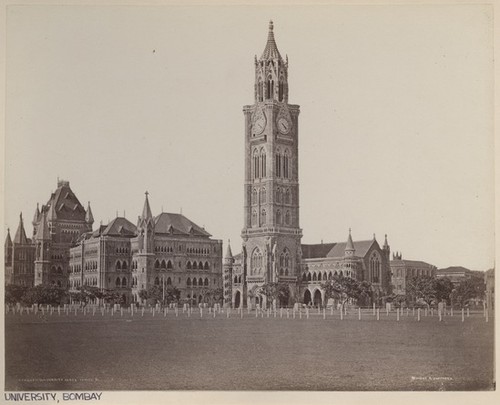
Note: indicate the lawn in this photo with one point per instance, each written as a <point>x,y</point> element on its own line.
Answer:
<point>96,352</point>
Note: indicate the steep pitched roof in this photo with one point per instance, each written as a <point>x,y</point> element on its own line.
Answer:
<point>146,211</point>
<point>8,240</point>
<point>120,227</point>
<point>36,217</point>
<point>63,204</point>
<point>43,232</point>
<point>316,251</point>
<point>20,237</point>
<point>271,49</point>
<point>361,248</point>
<point>89,218</point>
<point>229,253</point>
<point>177,224</point>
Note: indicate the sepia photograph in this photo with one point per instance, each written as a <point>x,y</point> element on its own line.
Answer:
<point>266,198</point>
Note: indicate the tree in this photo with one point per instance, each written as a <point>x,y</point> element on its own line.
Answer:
<point>172,294</point>
<point>467,290</point>
<point>44,295</point>
<point>345,288</point>
<point>422,288</point>
<point>14,293</point>
<point>275,291</point>
<point>444,287</point>
<point>86,294</point>
<point>217,294</point>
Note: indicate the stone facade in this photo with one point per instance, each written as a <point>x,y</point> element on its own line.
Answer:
<point>167,250</point>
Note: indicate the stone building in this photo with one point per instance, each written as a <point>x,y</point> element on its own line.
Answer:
<point>167,250</point>
<point>271,248</point>
<point>55,228</point>
<point>403,270</point>
<point>19,257</point>
<point>44,259</point>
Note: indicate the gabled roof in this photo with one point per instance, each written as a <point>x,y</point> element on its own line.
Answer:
<point>64,205</point>
<point>177,224</point>
<point>322,250</point>
<point>120,227</point>
<point>20,237</point>
<point>361,248</point>
<point>271,49</point>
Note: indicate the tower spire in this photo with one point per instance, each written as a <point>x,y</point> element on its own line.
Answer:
<point>349,247</point>
<point>20,237</point>
<point>271,49</point>
<point>89,218</point>
<point>146,211</point>
<point>229,253</point>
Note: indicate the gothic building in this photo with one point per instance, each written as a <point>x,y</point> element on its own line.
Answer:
<point>271,247</point>
<point>167,250</point>
<point>404,270</point>
<point>44,259</point>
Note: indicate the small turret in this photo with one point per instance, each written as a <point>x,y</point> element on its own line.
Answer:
<point>8,240</point>
<point>229,253</point>
<point>349,247</point>
<point>36,217</point>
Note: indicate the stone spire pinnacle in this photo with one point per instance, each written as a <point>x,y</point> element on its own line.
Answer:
<point>37,214</point>
<point>89,218</point>
<point>229,253</point>
<point>146,211</point>
<point>8,240</point>
<point>271,49</point>
<point>43,231</point>
<point>349,247</point>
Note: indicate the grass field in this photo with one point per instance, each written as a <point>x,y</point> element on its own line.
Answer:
<point>86,352</point>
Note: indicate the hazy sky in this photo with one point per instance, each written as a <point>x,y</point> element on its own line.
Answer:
<point>395,130</point>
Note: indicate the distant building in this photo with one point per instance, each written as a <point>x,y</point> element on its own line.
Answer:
<point>456,274</point>
<point>403,270</point>
<point>167,250</point>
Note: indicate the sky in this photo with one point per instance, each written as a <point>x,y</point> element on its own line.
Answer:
<point>395,129</point>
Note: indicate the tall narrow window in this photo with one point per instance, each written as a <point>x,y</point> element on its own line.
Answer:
<point>263,218</point>
<point>255,164</point>
<point>262,163</point>
<point>254,217</point>
<point>263,195</point>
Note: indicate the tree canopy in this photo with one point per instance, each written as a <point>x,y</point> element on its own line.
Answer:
<point>345,288</point>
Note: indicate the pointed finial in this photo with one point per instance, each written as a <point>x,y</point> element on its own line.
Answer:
<point>21,216</point>
<point>374,238</point>
<point>8,230</point>
<point>271,25</point>
<point>147,193</point>
<point>349,231</point>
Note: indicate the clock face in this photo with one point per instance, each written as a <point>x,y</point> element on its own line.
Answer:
<point>259,125</point>
<point>283,126</point>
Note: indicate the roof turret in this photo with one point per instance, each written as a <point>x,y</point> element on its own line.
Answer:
<point>20,237</point>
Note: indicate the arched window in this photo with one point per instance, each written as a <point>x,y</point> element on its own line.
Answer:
<point>169,281</point>
<point>263,195</point>
<point>254,217</point>
<point>124,282</point>
<point>287,218</point>
<point>260,90</point>
<point>200,281</point>
<point>235,279</point>
<point>281,89</point>
<point>304,277</point>
<point>117,282</point>
<point>188,281</point>
<point>309,277</point>
<point>262,163</point>
<point>254,196</point>
<point>278,163</point>
<point>286,165</point>
<point>163,264</point>
<point>270,88</point>
<point>157,264</point>
<point>278,217</point>
<point>207,266</point>
<point>315,277</point>
<point>188,265</point>
<point>256,171</point>
<point>118,265</point>
<point>169,265</point>
<point>125,265</point>
<point>195,282</point>
<point>287,196</point>
<point>263,218</point>
<point>256,262</point>
<point>278,195</point>
<point>206,282</point>
<point>195,266</point>
<point>319,277</point>
<point>375,267</point>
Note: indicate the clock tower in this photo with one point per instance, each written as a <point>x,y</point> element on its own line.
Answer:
<point>271,233</point>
